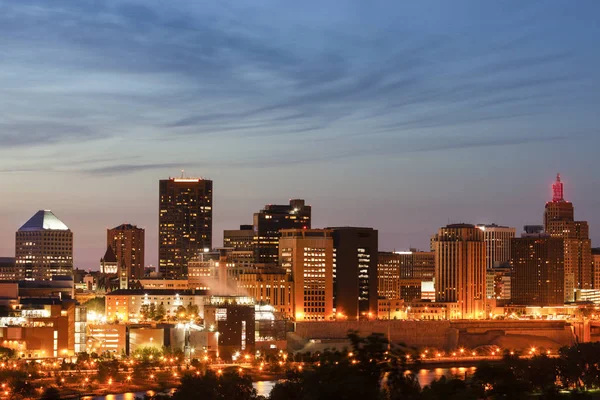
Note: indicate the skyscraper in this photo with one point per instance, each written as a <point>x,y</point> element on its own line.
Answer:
<point>44,248</point>
<point>307,254</point>
<point>403,269</point>
<point>460,269</point>
<point>596,267</point>
<point>416,264</point>
<point>559,222</point>
<point>497,244</point>
<point>128,243</point>
<point>355,272</point>
<point>388,275</point>
<point>558,209</point>
<point>185,223</point>
<point>537,270</point>
<point>270,220</point>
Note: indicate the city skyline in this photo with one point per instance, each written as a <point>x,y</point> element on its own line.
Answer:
<point>152,247</point>
<point>400,117</point>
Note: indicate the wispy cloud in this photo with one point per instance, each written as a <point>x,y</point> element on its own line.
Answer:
<point>388,148</point>
<point>152,72</point>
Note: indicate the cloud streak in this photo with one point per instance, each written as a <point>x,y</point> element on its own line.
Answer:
<point>387,149</point>
<point>223,70</point>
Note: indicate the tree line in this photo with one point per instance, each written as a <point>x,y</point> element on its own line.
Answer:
<point>375,370</point>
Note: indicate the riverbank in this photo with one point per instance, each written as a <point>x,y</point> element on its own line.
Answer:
<point>427,370</point>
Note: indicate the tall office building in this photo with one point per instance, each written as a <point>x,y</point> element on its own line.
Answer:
<point>307,254</point>
<point>559,222</point>
<point>44,248</point>
<point>399,270</point>
<point>355,272</point>
<point>558,209</point>
<point>185,223</point>
<point>596,267</point>
<point>388,275</point>
<point>537,270</point>
<point>497,244</point>
<point>270,285</point>
<point>497,284</point>
<point>416,264</point>
<point>460,274</point>
<point>128,243</point>
<point>270,220</point>
<point>239,239</point>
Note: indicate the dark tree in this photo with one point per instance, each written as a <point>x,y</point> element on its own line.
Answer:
<point>401,386</point>
<point>51,393</point>
<point>97,304</point>
<point>451,389</point>
<point>211,386</point>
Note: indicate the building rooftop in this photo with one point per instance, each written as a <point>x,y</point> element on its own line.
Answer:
<point>493,226</point>
<point>44,220</point>
<point>125,227</point>
<point>109,256</point>
<point>53,284</point>
<point>460,225</point>
<point>156,292</point>
<point>350,228</point>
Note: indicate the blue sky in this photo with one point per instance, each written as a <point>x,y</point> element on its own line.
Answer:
<point>397,115</point>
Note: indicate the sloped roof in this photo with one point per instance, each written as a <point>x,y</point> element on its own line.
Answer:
<point>44,220</point>
<point>125,227</point>
<point>109,256</point>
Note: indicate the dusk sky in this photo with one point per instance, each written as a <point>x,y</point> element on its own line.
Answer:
<point>399,115</point>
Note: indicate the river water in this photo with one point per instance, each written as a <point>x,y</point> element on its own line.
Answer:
<point>426,376</point>
<point>263,388</point>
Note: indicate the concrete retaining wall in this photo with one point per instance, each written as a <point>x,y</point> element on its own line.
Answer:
<point>441,334</point>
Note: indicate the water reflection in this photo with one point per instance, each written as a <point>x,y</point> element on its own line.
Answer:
<point>426,376</point>
<point>263,388</point>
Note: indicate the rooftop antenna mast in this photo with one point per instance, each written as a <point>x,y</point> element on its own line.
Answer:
<point>182,172</point>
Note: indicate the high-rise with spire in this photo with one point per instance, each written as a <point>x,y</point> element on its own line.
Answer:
<point>559,221</point>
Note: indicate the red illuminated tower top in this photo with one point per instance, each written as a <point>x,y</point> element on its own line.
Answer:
<point>557,190</point>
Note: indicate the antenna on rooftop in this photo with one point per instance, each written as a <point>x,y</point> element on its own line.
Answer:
<point>182,172</point>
